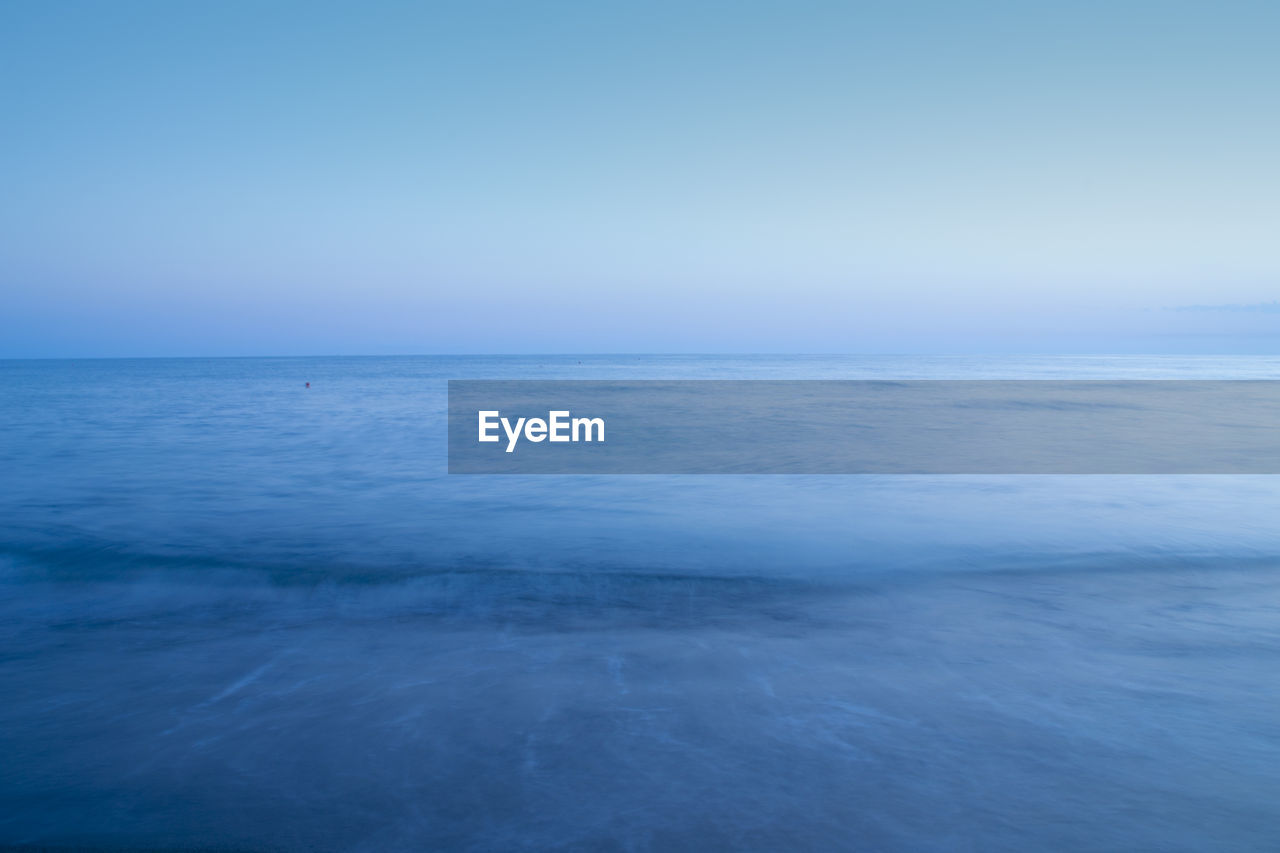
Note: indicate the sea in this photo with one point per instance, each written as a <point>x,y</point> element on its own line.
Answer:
<point>241,613</point>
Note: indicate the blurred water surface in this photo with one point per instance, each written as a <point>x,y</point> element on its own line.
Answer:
<point>240,613</point>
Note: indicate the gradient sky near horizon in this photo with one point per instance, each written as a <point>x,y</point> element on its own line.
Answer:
<point>276,178</point>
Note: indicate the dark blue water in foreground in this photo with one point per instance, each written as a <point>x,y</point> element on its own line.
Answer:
<point>240,614</point>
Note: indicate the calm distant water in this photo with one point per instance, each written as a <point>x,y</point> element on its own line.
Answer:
<point>239,613</point>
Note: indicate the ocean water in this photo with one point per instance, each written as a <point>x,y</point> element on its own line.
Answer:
<point>237,613</point>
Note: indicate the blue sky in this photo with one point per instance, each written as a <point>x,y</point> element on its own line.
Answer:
<point>271,178</point>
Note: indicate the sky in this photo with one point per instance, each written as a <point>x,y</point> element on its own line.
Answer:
<point>274,178</point>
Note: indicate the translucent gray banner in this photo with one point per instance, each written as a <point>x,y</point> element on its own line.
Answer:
<point>864,427</point>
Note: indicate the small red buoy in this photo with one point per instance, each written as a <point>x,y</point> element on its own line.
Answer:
<point>308,384</point>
